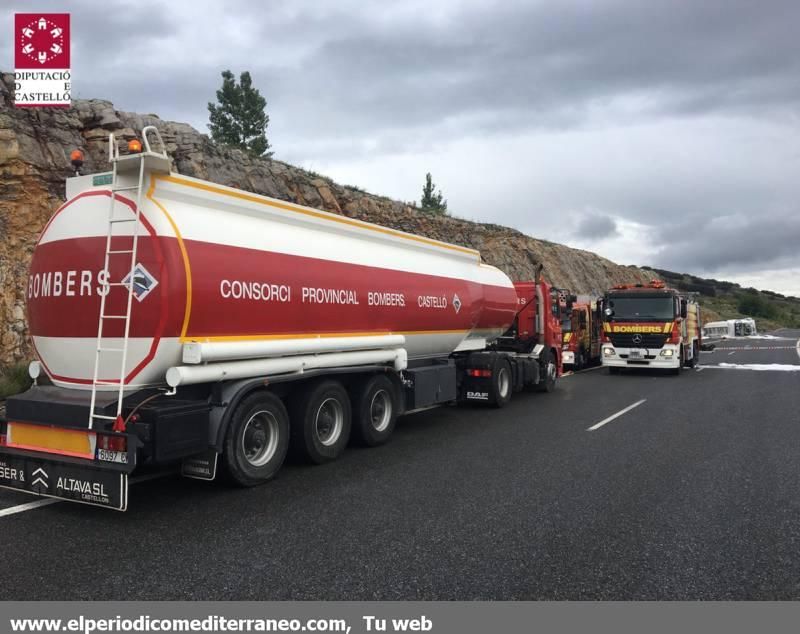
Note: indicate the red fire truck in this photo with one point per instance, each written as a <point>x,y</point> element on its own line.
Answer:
<point>649,326</point>
<point>581,337</point>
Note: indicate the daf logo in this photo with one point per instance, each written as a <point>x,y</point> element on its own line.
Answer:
<point>637,338</point>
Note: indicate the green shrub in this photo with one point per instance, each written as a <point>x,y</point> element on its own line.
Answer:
<point>14,380</point>
<point>754,305</point>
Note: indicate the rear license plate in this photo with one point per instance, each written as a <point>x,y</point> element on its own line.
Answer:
<point>112,456</point>
<point>76,483</point>
<point>637,353</point>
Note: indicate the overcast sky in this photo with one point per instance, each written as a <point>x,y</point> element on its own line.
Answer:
<point>654,133</point>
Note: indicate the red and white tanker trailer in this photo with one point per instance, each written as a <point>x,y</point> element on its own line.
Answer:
<point>177,320</point>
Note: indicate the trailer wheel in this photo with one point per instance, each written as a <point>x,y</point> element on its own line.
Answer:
<point>374,411</point>
<point>548,372</point>
<point>257,440</point>
<point>320,422</point>
<point>501,389</point>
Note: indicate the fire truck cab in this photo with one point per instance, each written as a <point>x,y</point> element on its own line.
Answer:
<point>649,326</point>
<point>581,337</point>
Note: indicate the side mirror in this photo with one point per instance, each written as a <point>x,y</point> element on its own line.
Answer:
<point>684,309</point>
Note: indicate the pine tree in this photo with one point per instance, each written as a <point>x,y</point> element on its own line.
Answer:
<point>432,202</point>
<point>239,120</point>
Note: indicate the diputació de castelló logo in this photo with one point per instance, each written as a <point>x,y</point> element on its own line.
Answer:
<point>41,60</point>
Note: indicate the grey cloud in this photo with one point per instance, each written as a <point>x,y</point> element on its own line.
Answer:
<point>689,57</point>
<point>754,243</point>
<point>596,226</point>
<point>360,83</point>
<point>505,66</point>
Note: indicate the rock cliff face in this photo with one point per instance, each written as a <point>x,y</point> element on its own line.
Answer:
<point>34,162</point>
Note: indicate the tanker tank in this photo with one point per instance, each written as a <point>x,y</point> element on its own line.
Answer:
<point>224,273</point>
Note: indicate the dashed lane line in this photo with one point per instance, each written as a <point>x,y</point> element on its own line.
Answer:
<point>720,349</point>
<point>615,416</point>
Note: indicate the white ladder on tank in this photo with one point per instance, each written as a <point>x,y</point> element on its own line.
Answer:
<point>134,163</point>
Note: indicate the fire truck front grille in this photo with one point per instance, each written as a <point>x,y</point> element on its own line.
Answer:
<point>649,340</point>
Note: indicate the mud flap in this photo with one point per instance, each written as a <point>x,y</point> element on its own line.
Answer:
<point>202,466</point>
<point>65,481</point>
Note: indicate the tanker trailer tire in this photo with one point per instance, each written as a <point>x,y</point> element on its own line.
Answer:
<point>374,411</point>
<point>549,372</point>
<point>321,418</point>
<point>257,440</point>
<point>501,389</point>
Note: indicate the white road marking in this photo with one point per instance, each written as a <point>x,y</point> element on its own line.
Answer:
<point>30,506</point>
<point>764,367</point>
<point>798,347</point>
<point>733,352</point>
<point>573,373</point>
<point>754,348</point>
<point>617,415</point>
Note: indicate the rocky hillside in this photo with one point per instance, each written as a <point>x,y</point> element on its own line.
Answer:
<point>34,149</point>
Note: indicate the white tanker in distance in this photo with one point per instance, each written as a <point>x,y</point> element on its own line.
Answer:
<point>199,323</point>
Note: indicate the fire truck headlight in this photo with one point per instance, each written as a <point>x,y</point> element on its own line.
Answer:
<point>608,351</point>
<point>667,353</point>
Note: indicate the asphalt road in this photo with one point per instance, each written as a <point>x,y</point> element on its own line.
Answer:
<point>692,494</point>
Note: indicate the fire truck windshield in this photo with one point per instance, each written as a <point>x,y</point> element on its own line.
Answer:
<point>642,308</point>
